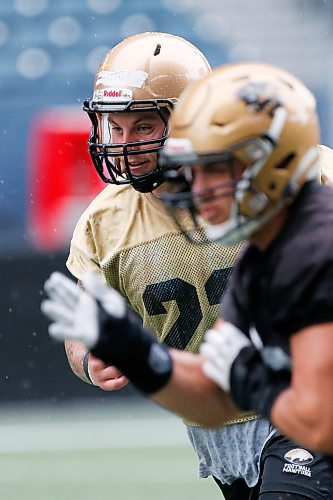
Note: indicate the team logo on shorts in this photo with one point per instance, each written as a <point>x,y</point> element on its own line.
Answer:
<point>298,456</point>
<point>298,459</point>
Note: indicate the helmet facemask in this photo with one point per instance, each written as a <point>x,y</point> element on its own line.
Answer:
<point>112,159</point>
<point>254,154</point>
<point>184,203</point>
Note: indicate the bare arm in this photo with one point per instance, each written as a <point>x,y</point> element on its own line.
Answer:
<point>193,396</point>
<point>184,394</point>
<point>305,410</point>
<point>75,352</point>
<point>100,318</point>
<point>106,377</point>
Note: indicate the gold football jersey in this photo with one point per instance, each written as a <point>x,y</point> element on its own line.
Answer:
<point>174,285</point>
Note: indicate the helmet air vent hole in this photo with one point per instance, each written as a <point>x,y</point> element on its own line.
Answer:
<point>157,50</point>
<point>288,84</point>
<point>219,124</point>
<point>285,162</point>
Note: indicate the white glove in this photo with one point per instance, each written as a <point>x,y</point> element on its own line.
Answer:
<point>74,311</point>
<point>221,347</point>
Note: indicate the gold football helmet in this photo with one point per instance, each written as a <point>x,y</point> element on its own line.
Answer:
<point>145,72</point>
<point>264,117</point>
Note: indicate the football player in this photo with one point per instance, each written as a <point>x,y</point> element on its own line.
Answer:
<point>191,388</point>
<point>251,164</point>
<point>129,239</point>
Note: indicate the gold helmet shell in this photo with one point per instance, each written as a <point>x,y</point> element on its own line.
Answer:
<point>261,114</point>
<point>151,66</point>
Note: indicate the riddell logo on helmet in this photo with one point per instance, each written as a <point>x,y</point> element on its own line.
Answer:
<point>113,93</point>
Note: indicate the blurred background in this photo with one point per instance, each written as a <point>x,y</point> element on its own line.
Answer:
<point>49,55</point>
<point>50,51</point>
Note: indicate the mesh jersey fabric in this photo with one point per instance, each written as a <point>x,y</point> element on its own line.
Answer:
<point>175,286</point>
<point>131,241</point>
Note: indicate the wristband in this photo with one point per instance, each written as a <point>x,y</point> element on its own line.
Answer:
<point>85,365</point>
<point>126,344</point>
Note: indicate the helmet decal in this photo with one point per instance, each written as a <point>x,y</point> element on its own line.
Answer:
<point>126,78</point>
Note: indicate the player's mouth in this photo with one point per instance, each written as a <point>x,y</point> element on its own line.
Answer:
<point>210,213</point>
<point>139,166</point>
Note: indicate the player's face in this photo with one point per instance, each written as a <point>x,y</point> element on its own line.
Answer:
<point>137,127</point>
<point>213,188</point>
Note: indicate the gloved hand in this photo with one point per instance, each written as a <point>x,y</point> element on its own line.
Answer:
<point>74,311</point>
<point>99,317</point>
<point>254,375</point>
<point>221,347</point>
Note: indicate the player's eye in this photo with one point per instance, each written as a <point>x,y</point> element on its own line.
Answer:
<point>116,130</point>
<point>143,128</point>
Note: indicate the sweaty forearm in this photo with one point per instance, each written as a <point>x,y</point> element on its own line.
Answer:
<point>100,319</point>
<point>305,410</point>
<point>306,417</point>
<point>75,352</point>
<point>173,379</point>
<point>190,394</point>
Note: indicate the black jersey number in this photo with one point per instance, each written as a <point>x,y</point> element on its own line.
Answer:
<point>186,296</point>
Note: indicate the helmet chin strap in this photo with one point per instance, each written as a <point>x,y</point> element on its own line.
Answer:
<point>148,182</point>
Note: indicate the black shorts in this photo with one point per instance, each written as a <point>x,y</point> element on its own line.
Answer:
<point>287,471</point>
<point>289,468</point>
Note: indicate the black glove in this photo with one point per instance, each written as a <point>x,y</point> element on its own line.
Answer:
<point>258,377</point>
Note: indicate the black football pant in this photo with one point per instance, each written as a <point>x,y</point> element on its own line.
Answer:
<point>287,472</point>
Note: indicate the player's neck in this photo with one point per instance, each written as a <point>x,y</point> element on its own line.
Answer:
<point>269,231</point>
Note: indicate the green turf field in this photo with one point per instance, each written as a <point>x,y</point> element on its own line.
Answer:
<point>85,452</point>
